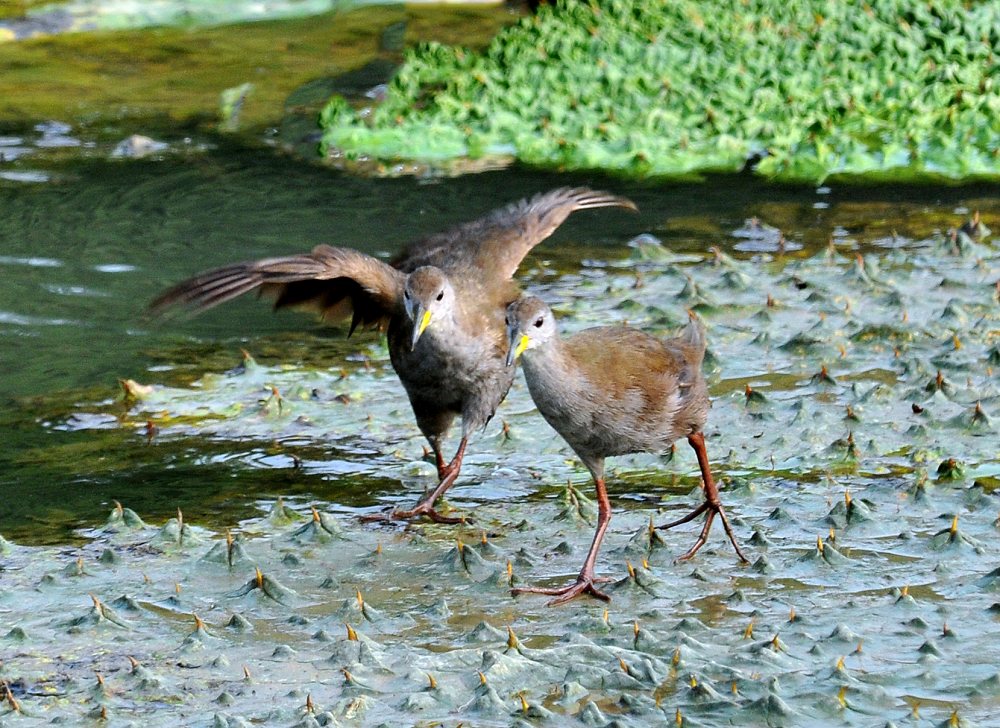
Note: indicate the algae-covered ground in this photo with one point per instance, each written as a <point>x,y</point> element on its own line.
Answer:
<point>169,79</point>
<point>32,18</point>
<point>797,89</point>
<point>854,428</point>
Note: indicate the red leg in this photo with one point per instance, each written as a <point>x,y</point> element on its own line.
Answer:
<point>712,504</point>
<point>442,466</point>
<point>425,507</point>
<point>585,581</point>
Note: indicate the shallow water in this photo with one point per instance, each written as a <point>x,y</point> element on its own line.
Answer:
<point>84,252</point>
<point>869,521</point>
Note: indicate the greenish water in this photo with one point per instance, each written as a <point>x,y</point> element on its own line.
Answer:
<point>872,591</point>
<point>169,79</point>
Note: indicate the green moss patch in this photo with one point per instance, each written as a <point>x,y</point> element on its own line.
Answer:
<point>890,90</point>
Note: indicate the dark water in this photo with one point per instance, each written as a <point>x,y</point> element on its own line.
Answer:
<point>82,253</point>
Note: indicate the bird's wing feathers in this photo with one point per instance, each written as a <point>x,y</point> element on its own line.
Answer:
<point>626,360</point>
<point>330,280</point>
<point>497,242</point>
<point>484,254</point>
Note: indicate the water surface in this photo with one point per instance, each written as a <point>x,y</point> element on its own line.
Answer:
<point>83,253</point>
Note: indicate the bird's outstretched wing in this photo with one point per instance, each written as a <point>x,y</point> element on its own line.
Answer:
<point>497,242</point>
<point>333,281</point>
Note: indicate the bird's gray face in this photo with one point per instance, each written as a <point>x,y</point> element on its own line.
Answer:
<point>530,323</point>
<point>427,296</point>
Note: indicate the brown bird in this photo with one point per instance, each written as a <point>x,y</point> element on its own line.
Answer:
<point>441,302</point>
<point>614,390</point>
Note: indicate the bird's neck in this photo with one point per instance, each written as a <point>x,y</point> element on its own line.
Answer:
<point>446,326</point>
<point>547,365</point>
<point>446,332</point>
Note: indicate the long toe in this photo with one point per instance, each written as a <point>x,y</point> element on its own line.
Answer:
<point>427,512</point>
<point>587,588</point>
<point>689,517</point>
<point>564,594</point>
<point>732,536</point>
<point>689,554</point>
<point>438,518</point>
<point>712,511</point>
<point>395,515</point>
<point>383,517</point>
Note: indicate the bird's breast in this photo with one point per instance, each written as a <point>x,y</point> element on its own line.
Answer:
<point>452,365</point>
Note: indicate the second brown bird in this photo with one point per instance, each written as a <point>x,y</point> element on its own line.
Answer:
<point>614,390</point>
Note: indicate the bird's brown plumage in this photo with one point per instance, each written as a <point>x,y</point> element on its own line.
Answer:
<point>322,280</point>
<point>498,241</point>
<point>614,390</point>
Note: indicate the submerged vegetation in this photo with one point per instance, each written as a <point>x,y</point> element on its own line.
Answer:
<point>813,88</point>
<point>172,76</point>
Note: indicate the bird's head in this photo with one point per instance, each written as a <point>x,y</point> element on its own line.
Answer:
<point>427,296</point>
<point>530,323</point>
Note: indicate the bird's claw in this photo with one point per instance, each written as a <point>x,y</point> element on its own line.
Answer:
<point>713,510</point>
<point>584,585</point>
<point>425,511</point>
<point>383,517</point>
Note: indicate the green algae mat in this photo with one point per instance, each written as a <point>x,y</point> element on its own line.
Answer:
<point>800,90</point>
<point>168,80</point>
<point>854,429</point>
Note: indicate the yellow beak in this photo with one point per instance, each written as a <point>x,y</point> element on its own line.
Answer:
<point>424,322</point>
<point>419,329</point>
<point>516,351</point>
<point>521,345</point>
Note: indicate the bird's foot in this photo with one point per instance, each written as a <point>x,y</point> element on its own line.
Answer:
<point>584,585</point>
<point>383,517</point>
<point>713,509</point>
<point>426,510</point>
<point>418,511</point>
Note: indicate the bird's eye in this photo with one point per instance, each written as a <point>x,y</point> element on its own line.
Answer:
<point>440,295</point>
<point>538,322</point>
